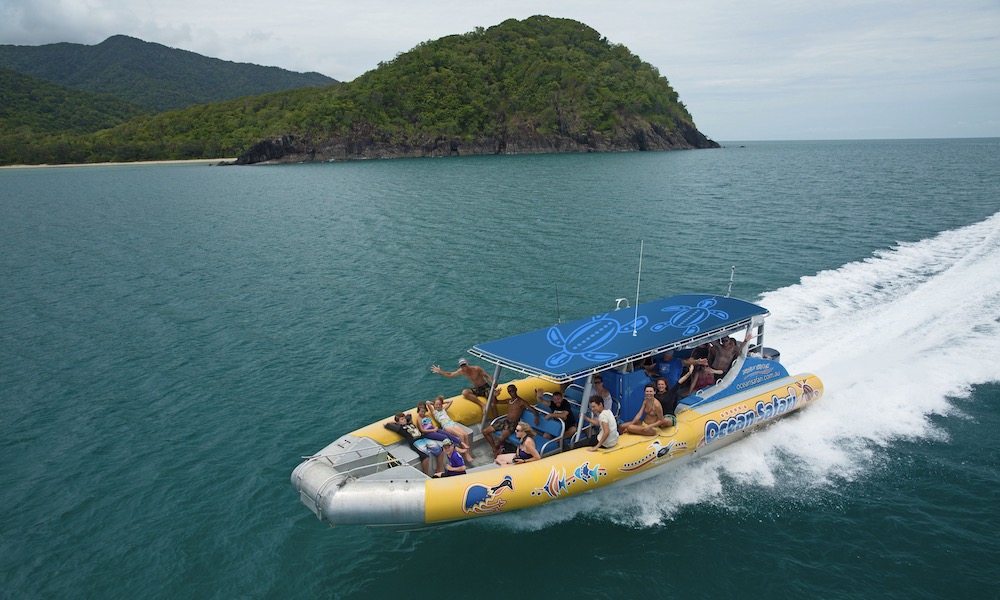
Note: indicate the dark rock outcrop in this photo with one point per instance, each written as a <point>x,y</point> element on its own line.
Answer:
<point>274,150</point>
<point>366,142</point>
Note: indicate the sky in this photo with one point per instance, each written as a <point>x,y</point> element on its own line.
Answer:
<point>746,70</point>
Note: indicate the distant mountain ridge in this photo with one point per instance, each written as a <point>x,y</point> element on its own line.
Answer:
<point>151,75</point>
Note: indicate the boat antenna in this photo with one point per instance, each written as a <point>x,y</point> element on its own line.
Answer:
<point>732,273</point>
<point>558,315</point>
<point>638,280</point>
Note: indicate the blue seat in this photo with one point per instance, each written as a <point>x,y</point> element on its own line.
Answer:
<point>573,392</point>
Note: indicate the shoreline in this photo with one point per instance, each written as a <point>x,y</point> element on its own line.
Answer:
<point>193,161</point>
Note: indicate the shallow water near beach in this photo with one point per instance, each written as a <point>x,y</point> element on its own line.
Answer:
<point>177,337</point>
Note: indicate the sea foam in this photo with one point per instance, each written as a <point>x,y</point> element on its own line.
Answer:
<point>895,338</point>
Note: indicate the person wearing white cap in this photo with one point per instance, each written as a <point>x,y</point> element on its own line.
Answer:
<point>453,465</point>
<point>481,382</point>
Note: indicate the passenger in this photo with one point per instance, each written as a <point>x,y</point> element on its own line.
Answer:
<point>726,352</point>
<point>682,390</point>
<point>646,364</point>
<point>509,423</point>
<point>669,404</point>
<point>440,411</point>
<point>649,417</point>
<point>662,391</point>
<point>667,396</point>
<point>431,431</point>
<point>453,465</point>
<point>607,429</point>
<point>670,368</point>
<point>481,382</point>
<point>526,451</point>
<point>561,409</point>
<point>702,377</point>
<point>600,390</point>
<point>402,424</point>
<point>702,355</point>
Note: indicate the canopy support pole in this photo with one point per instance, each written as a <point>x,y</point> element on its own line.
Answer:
<point>588,387</point>
<point>490,399</point>
<point>759,342</point>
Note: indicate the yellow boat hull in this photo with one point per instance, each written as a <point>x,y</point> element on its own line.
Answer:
<point>404,497</point>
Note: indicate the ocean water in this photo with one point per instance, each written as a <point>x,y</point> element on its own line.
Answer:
<point>176,338</point>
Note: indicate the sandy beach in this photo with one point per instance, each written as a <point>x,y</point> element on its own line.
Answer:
<point>196,161</point>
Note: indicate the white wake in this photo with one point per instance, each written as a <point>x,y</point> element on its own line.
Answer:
<point>895,339</point>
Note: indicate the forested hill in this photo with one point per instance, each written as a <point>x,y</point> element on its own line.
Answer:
<point>538,85</point>
<point>31,104</point>
<point>150,75</point>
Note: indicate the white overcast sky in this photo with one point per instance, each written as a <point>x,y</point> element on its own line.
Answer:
<point>746,69</point>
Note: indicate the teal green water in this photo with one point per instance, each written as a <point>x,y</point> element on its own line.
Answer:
<point>175,338</point>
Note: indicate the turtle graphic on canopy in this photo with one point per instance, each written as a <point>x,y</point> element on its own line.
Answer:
<point>588,338</point>
<point>690,317</point>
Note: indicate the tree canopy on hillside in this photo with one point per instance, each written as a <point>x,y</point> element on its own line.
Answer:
<point>29,104</point>
<point>541,76</point>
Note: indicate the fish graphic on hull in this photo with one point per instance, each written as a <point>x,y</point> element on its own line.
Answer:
<point>558,482</point>
<point>588,339</point>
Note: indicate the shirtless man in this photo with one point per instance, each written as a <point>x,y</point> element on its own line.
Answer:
<point>507,425</point>
<point>726,352</point>
<point>649,416</point>
<point>481,382</point>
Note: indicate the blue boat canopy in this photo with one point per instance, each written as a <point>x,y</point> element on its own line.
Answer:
<point>568,351</point>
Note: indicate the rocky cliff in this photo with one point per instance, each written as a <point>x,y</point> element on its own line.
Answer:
<point>368,143</point>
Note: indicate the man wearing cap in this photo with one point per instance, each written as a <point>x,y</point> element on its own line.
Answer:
<point>481,382</point>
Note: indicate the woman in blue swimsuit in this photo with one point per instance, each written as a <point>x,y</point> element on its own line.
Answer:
<point>526,451</point>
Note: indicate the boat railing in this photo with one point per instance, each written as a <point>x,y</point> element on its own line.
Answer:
<point>375,460</point>
<point>330,455</point>
<point>371,468</point>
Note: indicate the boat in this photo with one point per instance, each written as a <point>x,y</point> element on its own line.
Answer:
<point>373,477</point>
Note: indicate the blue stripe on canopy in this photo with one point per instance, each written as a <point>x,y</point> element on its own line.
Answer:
<point>567,351</point>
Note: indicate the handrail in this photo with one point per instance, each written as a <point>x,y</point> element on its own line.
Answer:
<point>348,472</point>
<point>378,451</point>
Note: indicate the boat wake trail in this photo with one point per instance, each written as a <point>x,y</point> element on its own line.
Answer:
<point>895,338</point>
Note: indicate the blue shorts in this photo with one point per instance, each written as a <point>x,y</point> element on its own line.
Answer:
<point>428,446</point>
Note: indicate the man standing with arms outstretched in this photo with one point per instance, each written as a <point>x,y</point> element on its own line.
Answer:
<point>481,382</point>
